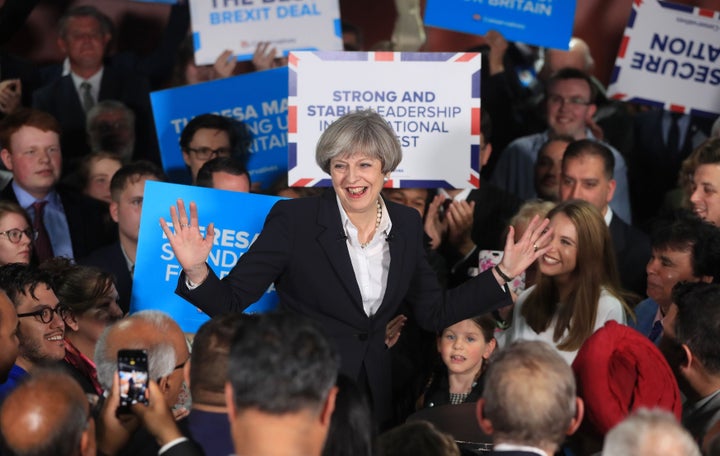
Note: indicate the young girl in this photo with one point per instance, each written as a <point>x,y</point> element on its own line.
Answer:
<point>464,349</point>
<point>577,290</point>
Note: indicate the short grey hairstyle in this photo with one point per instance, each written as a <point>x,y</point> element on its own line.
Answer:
<point>109,105</point>
<point>647,433</point>
<point>530,395</point>
<point>360,132</point>
<point>106,25</point>
<point>161,356</point>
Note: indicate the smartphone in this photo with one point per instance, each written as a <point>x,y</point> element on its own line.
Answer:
<point>133,373</point>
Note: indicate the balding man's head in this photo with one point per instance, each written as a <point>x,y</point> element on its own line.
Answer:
<point>155,332</point>
<point>578,56</point>
<point>48,414</point>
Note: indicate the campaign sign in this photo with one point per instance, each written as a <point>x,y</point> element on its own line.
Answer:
<point>258,100</point>
<point>238,219</point>
<point>239,25</point>
<point>431,100</point>
<point>547,23</point>
<point>670,58</point>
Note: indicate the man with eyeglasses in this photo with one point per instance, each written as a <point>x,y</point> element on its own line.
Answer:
<point>205,137</point>
<point>570,107</point>
<point>41,321</point>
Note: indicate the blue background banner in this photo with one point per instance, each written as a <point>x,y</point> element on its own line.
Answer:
<point>258,100</point>
<point>547,23</point>
<point>238,219</point>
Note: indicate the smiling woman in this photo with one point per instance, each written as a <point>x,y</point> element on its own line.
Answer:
<point>578,287</point>
<point>346,259</point>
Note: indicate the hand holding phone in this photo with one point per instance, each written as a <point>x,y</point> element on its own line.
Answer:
<point>133,375</point>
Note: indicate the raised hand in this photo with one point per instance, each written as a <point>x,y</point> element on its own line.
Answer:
<point>189,245</point>
<point>459,217</point>
<point>434,227</point>
<point>534,243</point>
<point>225,64</point>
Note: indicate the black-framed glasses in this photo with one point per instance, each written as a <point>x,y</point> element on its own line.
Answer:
<point>181,365</point>
<point>14,235</point>
<point>45,314</point>
<point>572,101</point>
<point>205,153</point>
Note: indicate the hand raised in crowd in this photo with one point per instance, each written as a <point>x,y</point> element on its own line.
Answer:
<point>10,95</point>
<point>113,431</point>
<point>459,219</point>
<point>534,243</point>
<point>498,46</point>
<point>264,56</point>
<point>191,248</point>
<point>225,64</point>
<point>435,227</point>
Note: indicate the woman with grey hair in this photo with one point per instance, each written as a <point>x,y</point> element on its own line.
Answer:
<point>347,259</point>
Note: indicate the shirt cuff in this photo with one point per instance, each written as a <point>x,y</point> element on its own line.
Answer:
<point>171,444</point>
<point>190,285</point>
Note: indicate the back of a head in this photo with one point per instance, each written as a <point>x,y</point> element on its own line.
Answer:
<point>230,165</point>
<point>351,426</point>
<point>281,364</point>
<point>210,357</point>
<point>529,395</point>
<point>697,324</point>
<point>416,438</point>
<point>47,414</point>
<point>649,433</point>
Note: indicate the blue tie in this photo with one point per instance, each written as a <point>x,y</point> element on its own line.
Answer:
<point>656,331</point>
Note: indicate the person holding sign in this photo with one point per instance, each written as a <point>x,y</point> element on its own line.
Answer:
<point>347,259</point>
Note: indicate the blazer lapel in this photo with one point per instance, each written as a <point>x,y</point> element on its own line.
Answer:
<point>397,243</point>
<point>333,242</point>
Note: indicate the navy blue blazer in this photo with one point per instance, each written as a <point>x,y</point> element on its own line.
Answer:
<point>110,259</point>
<point>302,249</point>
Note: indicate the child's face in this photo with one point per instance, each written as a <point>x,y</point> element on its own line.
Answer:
<point>463,348</point>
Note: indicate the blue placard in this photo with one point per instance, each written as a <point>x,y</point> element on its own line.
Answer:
<point>258,100</point>
<point>547,23</point>
<point>238,219</point>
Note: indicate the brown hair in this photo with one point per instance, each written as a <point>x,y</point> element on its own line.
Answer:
<point>26,117</point>
<point>595,269</point>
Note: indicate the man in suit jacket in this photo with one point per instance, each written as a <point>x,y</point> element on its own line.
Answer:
<point>84,34</point>
<point>587,174</point>
<point>31,151</point>
<point>530,401</point>
<point>696,362</point>
<point>126,188</point>
<point>685,248</point>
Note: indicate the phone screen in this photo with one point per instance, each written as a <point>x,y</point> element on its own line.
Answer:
<point>133,373</point>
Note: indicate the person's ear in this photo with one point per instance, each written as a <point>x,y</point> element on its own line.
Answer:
<point>230,402</point>
<point>5,156</point>
<point>164,385</point>
<point>489,348</point>
<point>612,185</point>
<point>62,45</point>
<point>88,443</point>
<point>186,157</point>
<point>592,109</point>
<point>186,373</point>
<point>484,423</point>
<point>114,211</point>
<point>328,407</point>
<point>577,419</point>
<point>686,358</point>
<point>485,153</point>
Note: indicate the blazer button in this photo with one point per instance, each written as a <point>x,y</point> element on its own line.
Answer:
<point>362,337</point>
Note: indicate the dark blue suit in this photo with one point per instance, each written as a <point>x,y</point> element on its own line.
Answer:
<point>302,249</point>
<point>111,260</point>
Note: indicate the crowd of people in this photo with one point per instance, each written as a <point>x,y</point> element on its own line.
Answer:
<point>566,306</point>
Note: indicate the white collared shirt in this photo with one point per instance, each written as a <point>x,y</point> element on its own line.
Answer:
<point>608,216</point>
<point>372,263</point>
<point>500,447</point>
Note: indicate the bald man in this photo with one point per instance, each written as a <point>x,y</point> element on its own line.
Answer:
<point>168,352</point>
<point>48,414</point>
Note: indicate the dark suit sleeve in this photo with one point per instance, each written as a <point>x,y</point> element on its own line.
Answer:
<point>436,309</point>
<point>251,276</point>
<point>184,448</point>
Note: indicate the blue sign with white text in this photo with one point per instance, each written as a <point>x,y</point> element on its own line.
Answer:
<point>547,23</point>
<point>258,101</point>
<point>238,219</point>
